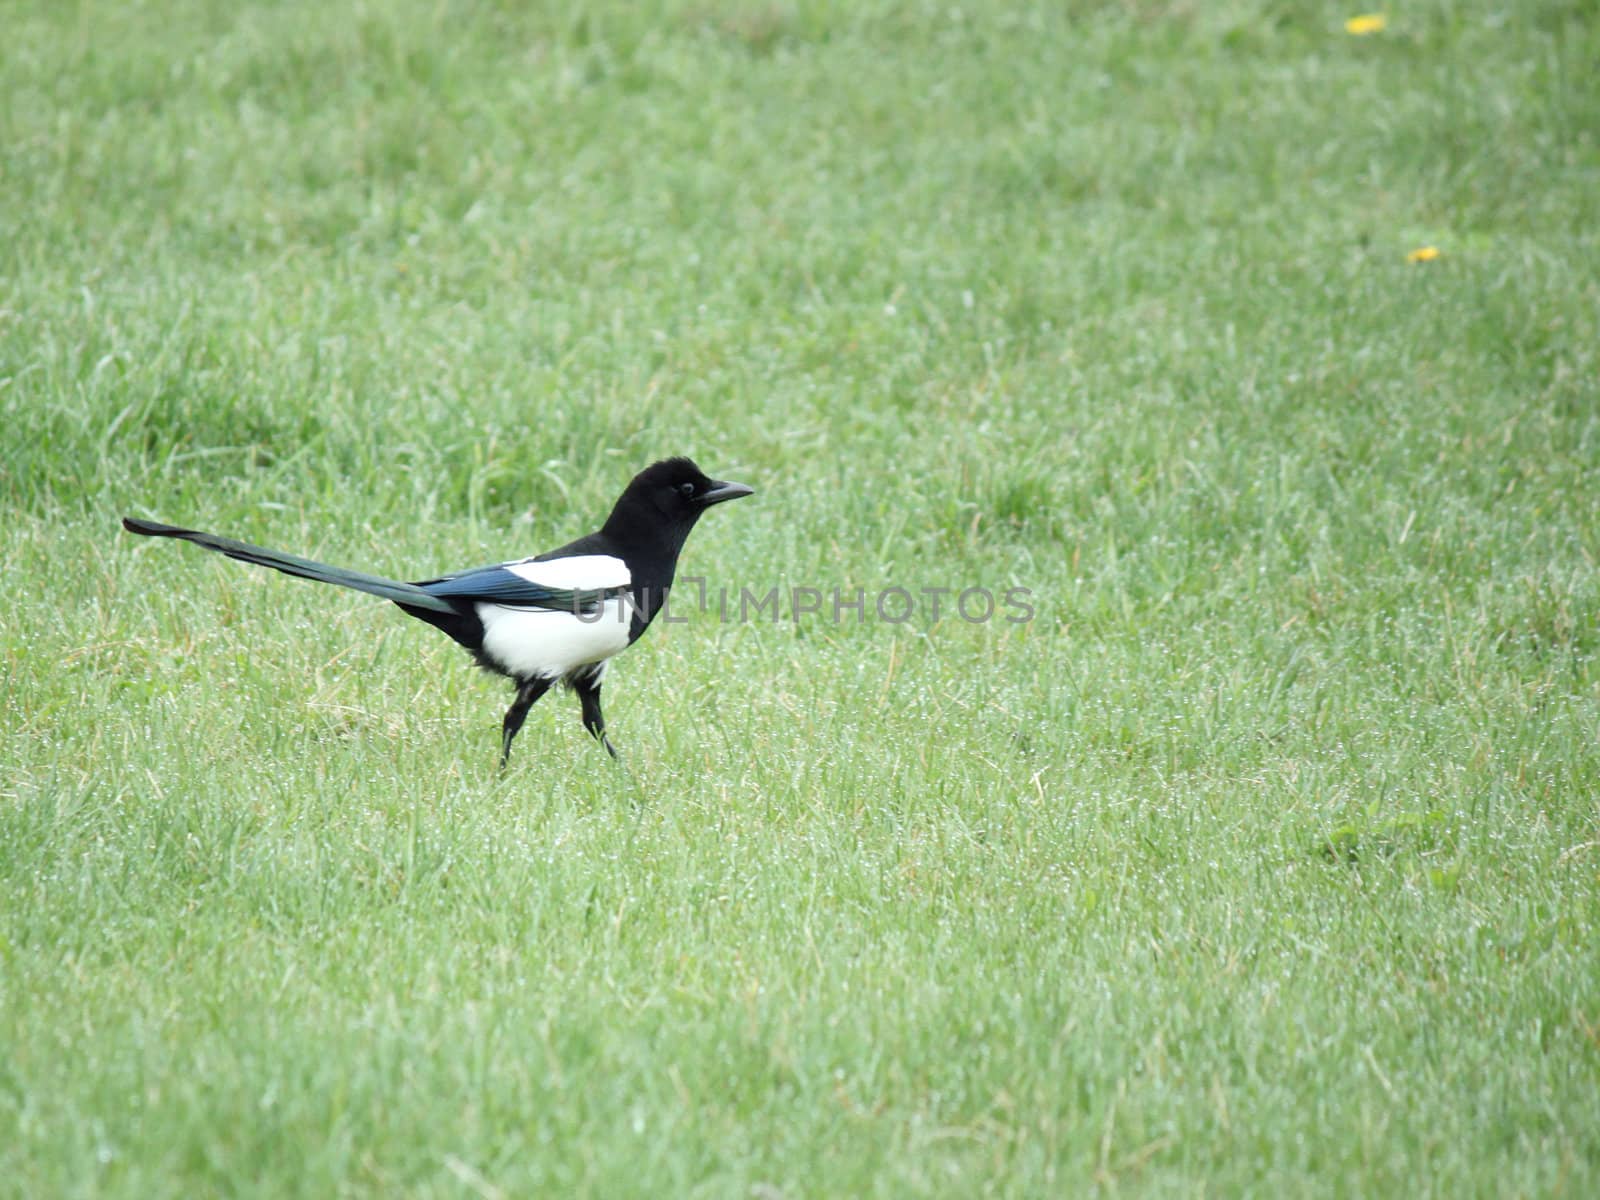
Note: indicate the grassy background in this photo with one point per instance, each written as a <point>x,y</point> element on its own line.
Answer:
<point>1266,859</point>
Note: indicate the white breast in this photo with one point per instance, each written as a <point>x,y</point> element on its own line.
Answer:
<point>550,643</point>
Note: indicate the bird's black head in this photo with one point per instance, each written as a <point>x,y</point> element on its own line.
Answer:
<point>665,500</point>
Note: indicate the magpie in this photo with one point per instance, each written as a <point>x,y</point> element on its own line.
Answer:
<point>557,617</point>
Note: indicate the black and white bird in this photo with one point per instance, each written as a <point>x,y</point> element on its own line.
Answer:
<point>558,617</point>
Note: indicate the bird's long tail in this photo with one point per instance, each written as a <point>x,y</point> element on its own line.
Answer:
<point>407,594</point>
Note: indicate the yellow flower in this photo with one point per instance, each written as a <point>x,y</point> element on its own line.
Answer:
<point>1366,23</point>
<point>1423,254</point>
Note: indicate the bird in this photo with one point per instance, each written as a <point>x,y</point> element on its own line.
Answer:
<point>557,617</point>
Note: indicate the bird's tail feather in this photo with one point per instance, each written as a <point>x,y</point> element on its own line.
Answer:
<point>408,594</point>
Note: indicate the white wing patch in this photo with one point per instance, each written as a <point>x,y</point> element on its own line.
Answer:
<point>552,643</point>
<point>581,571</point>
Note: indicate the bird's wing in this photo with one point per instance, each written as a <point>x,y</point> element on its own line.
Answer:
<point>575,584</point>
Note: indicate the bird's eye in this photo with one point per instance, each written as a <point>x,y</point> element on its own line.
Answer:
<point>686,489</point>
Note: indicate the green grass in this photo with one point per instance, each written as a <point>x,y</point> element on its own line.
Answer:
<point>1265,860</point>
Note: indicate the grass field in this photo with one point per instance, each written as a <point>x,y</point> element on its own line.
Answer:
<point>1264,860</point>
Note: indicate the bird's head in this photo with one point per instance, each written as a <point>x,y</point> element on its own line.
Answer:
<point>666,496</point>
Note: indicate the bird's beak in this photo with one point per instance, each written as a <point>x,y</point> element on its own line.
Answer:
<point>721,490</point>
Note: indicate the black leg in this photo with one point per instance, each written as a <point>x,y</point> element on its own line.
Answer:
<point>528,691</point>
<point>589,697</point>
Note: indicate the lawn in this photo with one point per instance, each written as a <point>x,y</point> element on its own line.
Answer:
<point>1263,859</point>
